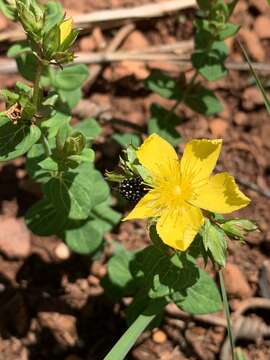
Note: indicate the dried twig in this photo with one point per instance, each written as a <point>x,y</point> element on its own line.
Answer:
<point>210,319</point>
<point>178,53</point>
<point>105,17</point>
<point>115,43</point>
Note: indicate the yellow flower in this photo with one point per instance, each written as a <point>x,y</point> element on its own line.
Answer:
<point>65,29</point>
<point>181,188</point>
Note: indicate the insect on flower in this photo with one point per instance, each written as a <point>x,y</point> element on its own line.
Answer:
<point>180,189</point>
<point>132,189</point>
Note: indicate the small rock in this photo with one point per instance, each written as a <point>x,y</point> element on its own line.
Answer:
<point>251,98</point>
<point>159,337</point>
<point>98,269</point>
<point>235,282</point>
<point>3,22</point>
<point>241,7</point>
<point>262,27</point>
<point>240,118</point>
<point>87,43</point>
<point>62,252</point>
<point>260,5</point>
<point>136,40</point>
<point>252,42</point>
<point>14,238</point>
<point>62,326</point>
<point>218,127</point>
<point>10,208</point>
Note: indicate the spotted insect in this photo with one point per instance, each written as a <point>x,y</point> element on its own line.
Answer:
<point>132,189</point>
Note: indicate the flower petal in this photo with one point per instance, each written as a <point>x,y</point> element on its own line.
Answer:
<point>155,152</point>
<point>221,194</point>
<point>65,29</point>
<point>199,159</point>
<point>143,209</point>
<point>179,228</point>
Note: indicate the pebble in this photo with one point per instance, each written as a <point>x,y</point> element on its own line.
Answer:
<point>159,337</point>
<point>253,45</point>
<point>15,239</point>
<point>62,252</point>
<point>218,127</point>
<point>262,27</point>
<point>235,282</point>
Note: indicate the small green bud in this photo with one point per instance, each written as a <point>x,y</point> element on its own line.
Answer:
<point>30,14</point>
<point>8,8</point>
<point>58,41</point>
<point>74,144</point>
<point>238,228</point>
<point>51,42</point>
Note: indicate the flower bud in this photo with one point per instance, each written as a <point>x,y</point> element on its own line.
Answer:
<point>238,228</point>
<point>74,144</point>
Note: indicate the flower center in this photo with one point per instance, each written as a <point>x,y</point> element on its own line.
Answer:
<point>177,191</point>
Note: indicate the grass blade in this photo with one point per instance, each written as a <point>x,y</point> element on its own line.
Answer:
<point>256,77</point>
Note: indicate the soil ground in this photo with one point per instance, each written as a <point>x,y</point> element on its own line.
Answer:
<point>56,309</point>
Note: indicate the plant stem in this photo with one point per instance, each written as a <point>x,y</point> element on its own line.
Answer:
<point>36,99</point>
<point>46,145</point>
<point>128,339</point>
<point>36,84</point>
<point>186,93</point>
<point>227,313</point>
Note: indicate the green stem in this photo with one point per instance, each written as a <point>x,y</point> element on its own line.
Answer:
<point>227,313</point>
<point>186,93</point>
<point>46,145</point>
<point>36,99</point>
<point>36,91</point>
<point>128,339</point>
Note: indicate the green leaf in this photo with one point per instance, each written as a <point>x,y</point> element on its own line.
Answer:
<point>27,64</point>
<point>106,215</point>
<point>54,15</point>
<point>127,139</point>
<point>164,274</point>
<point>164,123</point>
<point>44,219</point>
<point>89,127</point>
<point>51,41</point>
<point>210,62</point>
<point>49,164</point>
<point>34,157</point>
<point>202,297</point>
<point>72,194</point>
<point>203,4</point>
<point>16,139</point>
<point>87,155</point>
<point>164,85</point>
<point>71,98</point>
<point>71,77</point>
<point>214,241</point>
<point>228,30</point>
<point>7,9</point>
<point>203,101</point>
<point>53,124</point>
<point>84,238</point>
<point>101,188</point>
<point>18,48</point>
<point>119,269</point>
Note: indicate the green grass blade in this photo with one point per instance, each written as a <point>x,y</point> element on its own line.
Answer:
<point>128,339</point>
<point>227,313</point>
<point>256,77</point>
